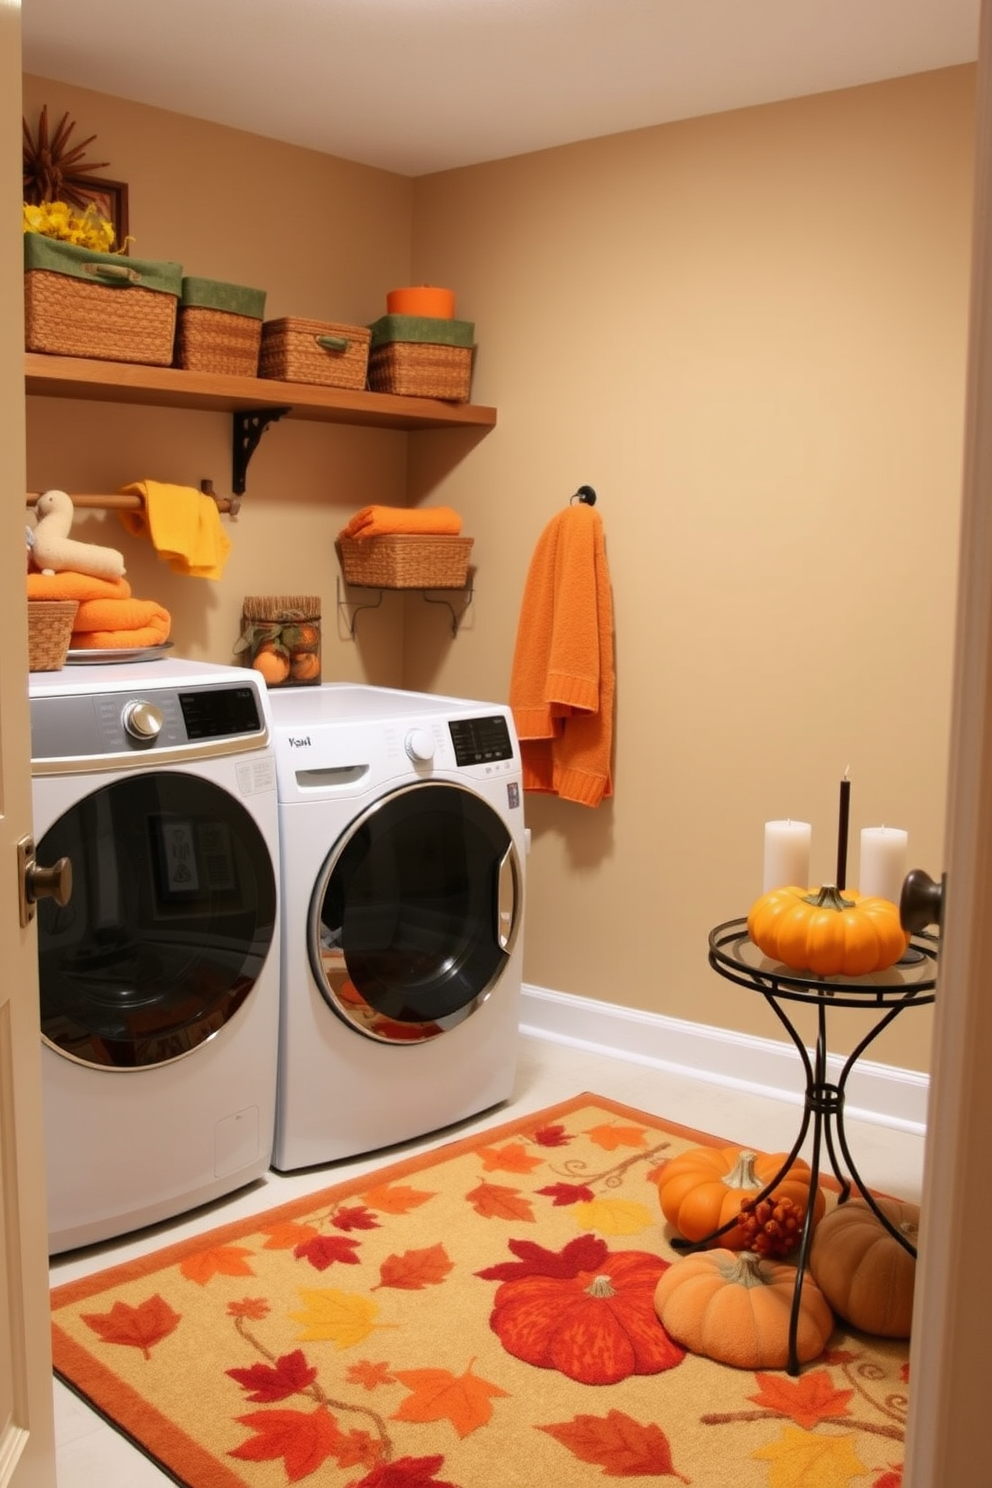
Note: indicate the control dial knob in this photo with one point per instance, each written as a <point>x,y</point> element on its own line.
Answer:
<point>419,745</point>
<point>143,721</point>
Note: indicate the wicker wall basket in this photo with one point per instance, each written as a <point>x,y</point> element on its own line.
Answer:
<point>323,353</point>
<point>50,623</point>
<point>418,369</point>
<point>405,561</point>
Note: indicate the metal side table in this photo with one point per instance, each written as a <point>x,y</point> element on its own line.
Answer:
<point>910,983</point>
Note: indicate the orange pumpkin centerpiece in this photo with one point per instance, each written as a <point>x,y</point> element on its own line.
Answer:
<point>705,1188</point>
<point>826,932</point>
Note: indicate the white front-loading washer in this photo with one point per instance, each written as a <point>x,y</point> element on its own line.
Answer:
<point>402,849</point>
<point>159,975</point>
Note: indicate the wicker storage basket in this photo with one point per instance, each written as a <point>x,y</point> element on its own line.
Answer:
<point>86,304</point>
<point>220,327</point>
<point>421,357</point>
<point>406,561</point>
<point>321,352</point>
<point>50,623</point>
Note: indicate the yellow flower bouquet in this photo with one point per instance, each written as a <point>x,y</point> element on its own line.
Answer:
<point>58,220</point>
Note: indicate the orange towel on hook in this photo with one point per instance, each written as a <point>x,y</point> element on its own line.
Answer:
<point>382,521</point>
<point>562,682</point>
<point>184,525</point>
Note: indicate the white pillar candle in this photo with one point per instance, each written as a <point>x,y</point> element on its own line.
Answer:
<point>786,854</point>
<point>883,862</point>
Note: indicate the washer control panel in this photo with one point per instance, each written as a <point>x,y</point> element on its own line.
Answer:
<point>99,724</point>
<point>481,741</point>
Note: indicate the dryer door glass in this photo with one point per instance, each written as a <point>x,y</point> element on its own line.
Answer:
<point>408,919</point>
<point>170,920</point>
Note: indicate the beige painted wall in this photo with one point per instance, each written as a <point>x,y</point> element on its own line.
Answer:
<point>748,333</point>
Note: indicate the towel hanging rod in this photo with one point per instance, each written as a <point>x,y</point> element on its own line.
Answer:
<point>122,501</point>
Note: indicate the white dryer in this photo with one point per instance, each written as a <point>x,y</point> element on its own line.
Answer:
<point>402,845</point>
<point>159,975</point>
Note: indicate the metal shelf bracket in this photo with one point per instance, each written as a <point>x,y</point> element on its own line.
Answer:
<point>248,430</point>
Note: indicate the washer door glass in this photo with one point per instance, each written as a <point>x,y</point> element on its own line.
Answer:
<point>170,920</point>
<point>414,914</point>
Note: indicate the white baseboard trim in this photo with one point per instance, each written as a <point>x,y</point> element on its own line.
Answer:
<point>875,1092</point>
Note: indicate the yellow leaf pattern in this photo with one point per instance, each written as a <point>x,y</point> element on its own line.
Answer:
<point>614,1217</point>
<point>800,1459</point>
<point>341,1318</point>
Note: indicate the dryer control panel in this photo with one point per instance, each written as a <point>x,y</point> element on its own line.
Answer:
<point>480,741</point>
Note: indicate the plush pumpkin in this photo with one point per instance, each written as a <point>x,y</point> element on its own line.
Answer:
<point>863,1271</point>
<point>704,1188</point>
<point>586,1311</point>
<point>735,1307</point>
<point>826,932</point>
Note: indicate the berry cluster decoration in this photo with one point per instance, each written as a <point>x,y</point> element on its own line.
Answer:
<point>772,1227</point>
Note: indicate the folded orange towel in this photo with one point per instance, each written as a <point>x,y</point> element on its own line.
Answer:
<point>382,521</point>
<point>72,585</point>
<point>184,525</point>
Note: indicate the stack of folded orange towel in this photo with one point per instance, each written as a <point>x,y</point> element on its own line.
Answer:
<point>383,521</point>
<point>109,618</point>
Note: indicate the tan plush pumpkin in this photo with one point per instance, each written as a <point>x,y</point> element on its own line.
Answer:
<point>865,1274</point>
<point>735,1307</point>
<point>704,1188</point>
<point>826,932</point>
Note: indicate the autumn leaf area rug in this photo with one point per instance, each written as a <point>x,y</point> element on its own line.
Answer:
<point>477,1316</point>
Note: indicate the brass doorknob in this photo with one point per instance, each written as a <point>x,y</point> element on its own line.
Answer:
<point>38,882</point>
<point>50,883</point>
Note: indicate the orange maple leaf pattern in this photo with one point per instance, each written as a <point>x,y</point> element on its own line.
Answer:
<point>396,1198</point>
<point>511,1158</point>
<point>811,1398</point>
<point>621,1446</point>
<point>222,1260</point>
<point>438,1395</point>
<point>495,1201</point>
<point>415,1269</point>
<point>288,1236</point>
<point>138,1327</point>
<point>612,1135</point>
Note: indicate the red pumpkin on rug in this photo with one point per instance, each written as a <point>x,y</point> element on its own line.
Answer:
<point>586,1311</point>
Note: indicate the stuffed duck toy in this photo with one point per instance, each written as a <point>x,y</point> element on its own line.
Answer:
<point>54,551</point>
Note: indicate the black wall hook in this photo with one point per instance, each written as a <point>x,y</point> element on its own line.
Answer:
<point>585,494</point>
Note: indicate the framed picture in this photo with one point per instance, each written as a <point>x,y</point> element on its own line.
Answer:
<point>109,198</point>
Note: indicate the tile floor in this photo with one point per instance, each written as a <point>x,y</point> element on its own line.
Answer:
<point>92,1455</point>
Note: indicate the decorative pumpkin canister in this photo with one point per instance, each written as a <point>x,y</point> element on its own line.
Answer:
<point>704,1188</point>
<point>862,1270</point>
<point>826,932</point>
<point>735,1307</point>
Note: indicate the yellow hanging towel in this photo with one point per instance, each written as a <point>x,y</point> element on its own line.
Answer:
<point>183,524</point>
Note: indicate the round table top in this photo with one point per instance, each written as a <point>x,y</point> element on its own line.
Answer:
<point>913,980</point>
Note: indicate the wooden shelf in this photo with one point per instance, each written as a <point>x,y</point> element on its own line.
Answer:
<point>171,387</point>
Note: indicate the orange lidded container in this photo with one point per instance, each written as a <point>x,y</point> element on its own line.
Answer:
<point>422,299</point>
